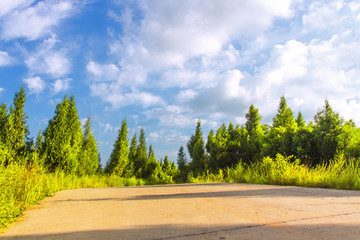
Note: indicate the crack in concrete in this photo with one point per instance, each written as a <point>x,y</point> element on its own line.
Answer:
<point>255,226</point>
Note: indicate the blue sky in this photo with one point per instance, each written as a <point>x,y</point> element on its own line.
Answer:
<point>164,64</point>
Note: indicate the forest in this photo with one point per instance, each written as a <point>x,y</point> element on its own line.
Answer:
<point>321,153</point>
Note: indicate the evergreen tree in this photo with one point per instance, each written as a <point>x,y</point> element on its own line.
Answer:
<point>132,156</point>
<point>151,163</point>
<point>62,139</point>
<point>211,150</point>
<point>74,127</point>
<point>196,150</point>
<point>182,164</point>
<point>255,135</point>
<point>3,120</point>
<point>119,158</point>
<point>300,120</point>
<point>328,126</point>
<point>141,155</point>
<point>14,129</point>
<point>280,137</point>
<point>89,155</point>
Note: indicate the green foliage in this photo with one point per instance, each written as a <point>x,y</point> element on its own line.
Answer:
<point>63,138</point>
<point>182,165</point>
<point>338,174</point>
<point>196,150</point>
<point>88,156</point>
<point>281,136</point>
<point>119,158</point>
<point>255,136</point>
<point>141,155</point>
<point>328,127</point>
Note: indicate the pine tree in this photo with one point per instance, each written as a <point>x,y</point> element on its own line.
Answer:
<point>119,158</point>
<point>182,164</point>
<point>74,128</point>
<point>300,120</point>
<point>328,126</point>
<point>196,150</point>
<point>211,149</point>
<point>130,170</point>
<point>255,135</point>
<point>15,131</point>
<point>3,120</point>
<point>141,155</point>
<point>151,163</point>
<point>63,138</point>
<point>89,155</point>
<point>281,136</point>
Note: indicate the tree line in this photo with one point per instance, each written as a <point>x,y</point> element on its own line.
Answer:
<point>66,146</point>
<point>129,160</point>
<point>324,139</point>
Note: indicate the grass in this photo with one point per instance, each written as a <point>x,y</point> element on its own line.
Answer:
<point>22,186</point>
<point>338,174</point>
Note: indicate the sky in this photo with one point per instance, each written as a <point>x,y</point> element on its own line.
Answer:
<point>162,65</point>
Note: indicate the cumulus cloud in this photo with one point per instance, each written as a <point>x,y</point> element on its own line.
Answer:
<point>48,59</point>
<point>103,72</point>
<point>34,21</point>
<point>61,85</point>
<point>35,84</point>
<point>119,97</point>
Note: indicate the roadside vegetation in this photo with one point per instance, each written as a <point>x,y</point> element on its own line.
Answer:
<point>322,153</point>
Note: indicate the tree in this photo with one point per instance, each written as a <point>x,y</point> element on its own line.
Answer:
<point>280,137</point>
<point>141,155</point>
<point>300,120</point>
<point>62,138</point>
<point>182,164</point>
<point>132,156</point>
<point>119,158</point>
<point>89,155</point>
<point>151,163</point>
<point>3,120</point>
<point>255,135</point>
<point>196,150</point>
<point>328,126</point>
<point>74,127</point>
<point>14,131</point>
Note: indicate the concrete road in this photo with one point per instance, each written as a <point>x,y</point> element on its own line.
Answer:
<point>193,211</point>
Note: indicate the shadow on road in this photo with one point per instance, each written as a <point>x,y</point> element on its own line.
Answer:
<point>219,191</point>
<point>265,231</point>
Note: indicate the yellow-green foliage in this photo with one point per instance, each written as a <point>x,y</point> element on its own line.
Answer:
<point>338,174</point>
<point>22,186</point>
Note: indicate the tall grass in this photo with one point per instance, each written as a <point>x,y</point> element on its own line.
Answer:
<point>22,186</point>
<point>338,174</point>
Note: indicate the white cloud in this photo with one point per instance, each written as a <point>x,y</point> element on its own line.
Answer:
<point>32,22</point>
<point>105,72</point>
<point>49,60</point>
<point>7,6</point>
<point>61,85</point>
<point>120,97</point>
<point>35,84</point>
<point>5,59</point>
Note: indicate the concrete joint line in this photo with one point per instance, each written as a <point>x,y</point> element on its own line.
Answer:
<point>255,226</point>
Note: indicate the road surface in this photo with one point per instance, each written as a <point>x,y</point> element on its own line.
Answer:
<point>193,211</point>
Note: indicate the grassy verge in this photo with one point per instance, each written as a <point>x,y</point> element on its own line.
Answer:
<point>21,187</point>
<point>339,174</point>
